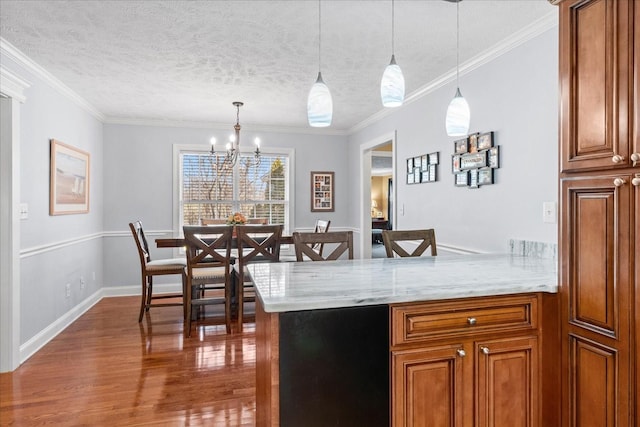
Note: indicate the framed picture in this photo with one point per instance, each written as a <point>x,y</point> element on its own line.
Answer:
<point>424,161</point>
<point>473,160</point>
<point>427,174</point>
<point>494,157</point>
<point>69,180</point>
<point>434,158</point>
<point>473,178</point>
<point>485,141</point>
<point>322,192</point>
<point>410,165</point>
<point>462,179</point>
<point>485,176</point>
<point>460,146</point>
<point>455,163</point>
<point>473,143</point>
<point>433,174</point>
<point>410,177</point>
<point>417,175</point>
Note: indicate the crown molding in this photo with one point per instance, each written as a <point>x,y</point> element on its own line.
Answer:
<point>11,52</point>
<point>520,37</point>
<point>224,126</point>
<point>12,86</point>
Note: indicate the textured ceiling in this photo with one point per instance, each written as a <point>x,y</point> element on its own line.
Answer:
<point>189,60</point>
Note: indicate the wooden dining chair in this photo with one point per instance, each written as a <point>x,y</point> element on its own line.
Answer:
<point>304,243</point>
<point>150,268</point>
<point>208,268</point>
<point>256,243</point>
<point>425,238</point>
<point>322,226</point>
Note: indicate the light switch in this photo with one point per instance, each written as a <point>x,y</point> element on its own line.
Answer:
<point>24,211</point>
<point>549,212</point>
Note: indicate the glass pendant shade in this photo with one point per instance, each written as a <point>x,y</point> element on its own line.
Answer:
<point>392,85</point>
<point>319,104</point>
<point>458,116</point>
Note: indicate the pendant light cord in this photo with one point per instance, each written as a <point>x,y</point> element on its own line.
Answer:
<point>319,36</point>
<point>393,29</point>
<point>458,43</point>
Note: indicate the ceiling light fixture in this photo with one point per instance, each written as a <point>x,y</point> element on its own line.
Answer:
<point>233,146</point>
<point>319,102</point>
<point>458,113</point>
<point>392,84</point>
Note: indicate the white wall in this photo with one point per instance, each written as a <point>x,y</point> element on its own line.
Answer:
<point>139,162</point>
<point>516,96</point>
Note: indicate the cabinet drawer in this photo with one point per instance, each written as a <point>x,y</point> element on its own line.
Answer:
<point>425,321</point>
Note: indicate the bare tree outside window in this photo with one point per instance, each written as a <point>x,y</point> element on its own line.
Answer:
<point>212,190</point>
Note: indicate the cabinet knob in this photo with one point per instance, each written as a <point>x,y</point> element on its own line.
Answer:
<point>635,158</point>
<point>471,320</point>
<point>636,181</point>
<point>618,182</point>
<point>461,352</point>
<point>617,158</point>
<point>484,349</point>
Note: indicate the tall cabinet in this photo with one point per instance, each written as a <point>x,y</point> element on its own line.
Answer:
<point>600,210</point>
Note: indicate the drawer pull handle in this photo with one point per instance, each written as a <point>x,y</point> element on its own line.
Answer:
<point>471,320</point>
<point>461,352</point>
<point>617,158</point>
<point>635,158</point>
<point>636,181</point>
<point>485,350</point>
<point>619,182</point>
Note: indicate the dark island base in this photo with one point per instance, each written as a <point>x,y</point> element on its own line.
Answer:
<point>334,367</point>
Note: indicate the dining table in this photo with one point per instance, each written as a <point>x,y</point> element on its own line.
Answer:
<point>179,241</point>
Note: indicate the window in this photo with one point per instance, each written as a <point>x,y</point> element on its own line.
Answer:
<point>210,190</point>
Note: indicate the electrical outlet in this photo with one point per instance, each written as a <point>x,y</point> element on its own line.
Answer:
<point>82,282</point>
<point>67,289</point>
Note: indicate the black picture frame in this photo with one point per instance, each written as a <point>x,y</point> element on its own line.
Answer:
<point>461,179</point>
<point>485,176</point>
<point>493,160</point>
<point>473,160</point>
<point>434,158</point>
<point>461,146</point>
<point>473,143</point>
<point>485,140</point>
<point>473,178</point>
<point>455,163</point>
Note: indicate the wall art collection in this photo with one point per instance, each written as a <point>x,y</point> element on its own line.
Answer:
<point>474,160</point>
<point>423,168</point>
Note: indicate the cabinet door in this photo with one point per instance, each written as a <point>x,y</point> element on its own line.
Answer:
<point>507,381</point>
<point>595,289</point>
<point>427,387</point>
<point>596,83</point>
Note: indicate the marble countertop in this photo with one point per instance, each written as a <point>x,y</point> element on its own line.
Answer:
<point>294,286</point>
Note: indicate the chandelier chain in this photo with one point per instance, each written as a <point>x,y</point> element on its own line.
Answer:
<point>319,36</point>
<point>393,28</point>
<point>458,43</point>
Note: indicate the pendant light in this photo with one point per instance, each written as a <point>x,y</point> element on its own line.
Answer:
<point>319,102</point>
<point>458,113</point>
<point>392,84</point>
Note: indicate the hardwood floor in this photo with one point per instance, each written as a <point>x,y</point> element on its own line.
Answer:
<point>108,370</point>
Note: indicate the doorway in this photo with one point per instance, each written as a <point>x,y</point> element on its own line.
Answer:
<point>377,202</point>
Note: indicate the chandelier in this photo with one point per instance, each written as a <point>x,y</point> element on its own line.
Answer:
<point>232,148</point>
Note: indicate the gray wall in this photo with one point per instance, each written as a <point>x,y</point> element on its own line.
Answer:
<point>516,96</point>
<point>55,250</point>
<point>139,176</point>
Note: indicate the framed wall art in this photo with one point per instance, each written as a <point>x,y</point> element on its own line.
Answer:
<point>421,169</point>
<point>474,160</point>
<point>69,180</point>
<point>322,192</point>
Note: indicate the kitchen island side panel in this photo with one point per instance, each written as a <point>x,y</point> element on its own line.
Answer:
<point>334,367</point>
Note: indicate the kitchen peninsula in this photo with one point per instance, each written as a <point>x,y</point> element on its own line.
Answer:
<point>445,340</point>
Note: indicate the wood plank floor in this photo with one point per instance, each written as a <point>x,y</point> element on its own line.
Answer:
<point>108,370</point>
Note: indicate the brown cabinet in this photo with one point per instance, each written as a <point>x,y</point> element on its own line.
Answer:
<point>599,209</point>
<point>466,363</point>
